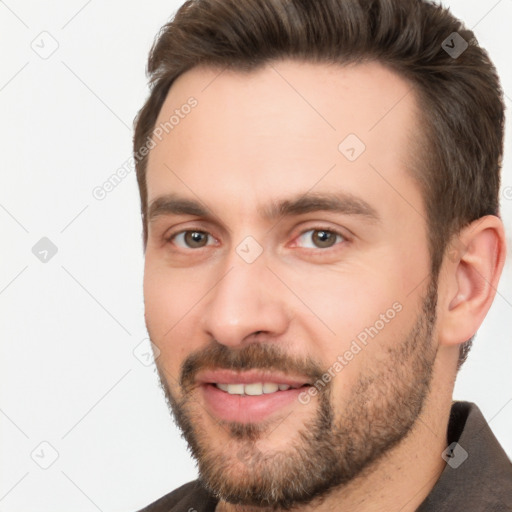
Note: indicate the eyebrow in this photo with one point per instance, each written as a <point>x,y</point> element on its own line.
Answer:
<point>339,202</point>
<point>172,204</point>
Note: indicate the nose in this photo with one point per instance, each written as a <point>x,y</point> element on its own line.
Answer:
<point>245,301</point>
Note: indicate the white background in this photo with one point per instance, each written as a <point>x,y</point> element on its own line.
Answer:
<point>68,327</point>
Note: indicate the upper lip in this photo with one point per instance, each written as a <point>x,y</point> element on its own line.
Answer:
<point>248,377</point>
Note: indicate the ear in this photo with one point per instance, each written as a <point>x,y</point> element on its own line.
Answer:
<point>469,278</point>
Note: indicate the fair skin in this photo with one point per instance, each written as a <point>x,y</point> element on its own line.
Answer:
<point>274,135</point>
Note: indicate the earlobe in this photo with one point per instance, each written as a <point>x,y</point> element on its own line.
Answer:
<point>472,269</point>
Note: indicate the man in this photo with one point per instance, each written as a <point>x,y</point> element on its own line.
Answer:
<point>319,186</point>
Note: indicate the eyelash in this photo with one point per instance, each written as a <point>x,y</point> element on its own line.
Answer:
<point>170,238</point>
<point>337,234</point>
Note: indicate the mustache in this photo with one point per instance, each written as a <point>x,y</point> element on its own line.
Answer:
<point>256,355</point>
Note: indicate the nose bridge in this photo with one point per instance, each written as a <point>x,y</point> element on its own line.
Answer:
<point>242,302</point>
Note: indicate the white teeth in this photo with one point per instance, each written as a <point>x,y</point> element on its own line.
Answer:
<point>235,389</point>
<point>253,389</point>
<point>270,387</point>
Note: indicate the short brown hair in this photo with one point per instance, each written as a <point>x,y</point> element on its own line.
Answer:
<point>457,157</point>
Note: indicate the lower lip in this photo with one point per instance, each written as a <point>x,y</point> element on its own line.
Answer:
<point>247,408</point>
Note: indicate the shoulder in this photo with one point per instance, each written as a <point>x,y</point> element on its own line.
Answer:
<point>190,497</point>
<point>478,473</point>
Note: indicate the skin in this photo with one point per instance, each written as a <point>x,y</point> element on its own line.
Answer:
<point>273,135</point>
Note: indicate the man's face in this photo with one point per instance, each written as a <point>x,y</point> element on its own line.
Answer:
<point>282,251</point>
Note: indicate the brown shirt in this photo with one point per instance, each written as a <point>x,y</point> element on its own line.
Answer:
<point>477,476</point>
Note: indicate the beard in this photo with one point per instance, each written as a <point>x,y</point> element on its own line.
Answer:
<point>342,439</point>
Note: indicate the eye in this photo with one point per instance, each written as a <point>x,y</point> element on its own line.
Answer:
<point>319,238</point>
<point>190,239</point>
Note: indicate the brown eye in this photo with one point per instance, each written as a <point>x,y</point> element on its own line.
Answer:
<point>191,239</point>
<point>324,239</point>
<point>320,238</point>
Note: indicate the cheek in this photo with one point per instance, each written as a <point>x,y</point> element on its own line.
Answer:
<point>169,312</point>
<point>159,301</point>
<point>347,302</point>
<point>169,296</point>
<point>359,315</point>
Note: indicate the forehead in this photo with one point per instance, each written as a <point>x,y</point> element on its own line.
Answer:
<point>287,127</point>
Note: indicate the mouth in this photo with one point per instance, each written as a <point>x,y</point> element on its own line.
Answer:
<point>255,388</point>
<point>251,396</point>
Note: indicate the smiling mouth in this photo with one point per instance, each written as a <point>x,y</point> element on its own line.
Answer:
<point>251,396</point>
<point>255,388</point>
